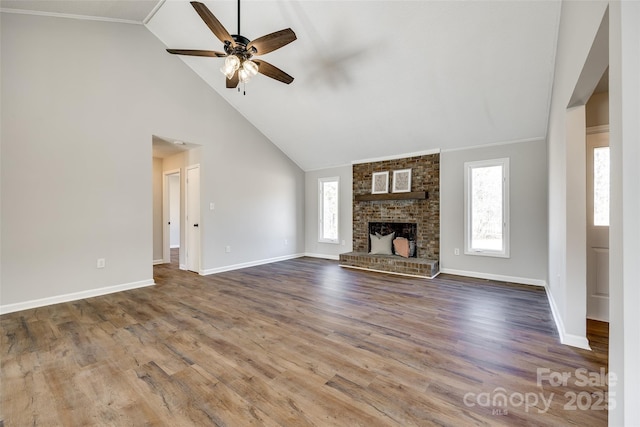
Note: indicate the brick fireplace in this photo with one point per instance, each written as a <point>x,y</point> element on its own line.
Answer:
<point>419,206</point>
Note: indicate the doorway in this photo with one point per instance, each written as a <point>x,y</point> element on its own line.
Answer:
<point>172,159</point>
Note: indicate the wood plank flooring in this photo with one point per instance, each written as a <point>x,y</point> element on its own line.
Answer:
<point>297,343</point>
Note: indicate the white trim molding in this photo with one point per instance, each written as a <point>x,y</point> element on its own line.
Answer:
<point>493,144</point>
<point>496,277</point>
<point>565,338</point>
<point>69,16</point>
<point>597,129</point>
<point>397,156</point>
<point>323,256</point>
<point>469,193</point>
<point>248,264</point>
<point>158,261</point>
<point>10,308</point>
<point>153,12</point>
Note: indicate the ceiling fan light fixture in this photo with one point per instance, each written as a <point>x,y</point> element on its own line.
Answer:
<point>250,67</point>
<point>231,65</point>
<point>243,75</point>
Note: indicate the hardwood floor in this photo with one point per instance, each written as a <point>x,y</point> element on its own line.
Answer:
<point>298,343</point>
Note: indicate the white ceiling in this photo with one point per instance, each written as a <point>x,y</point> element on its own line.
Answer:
<point>375,78</point>
<point>116,10</point>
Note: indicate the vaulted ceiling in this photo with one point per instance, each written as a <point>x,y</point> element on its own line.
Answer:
<point>372,78</point>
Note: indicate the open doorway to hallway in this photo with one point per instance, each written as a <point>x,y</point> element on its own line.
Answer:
<point>173,236</point>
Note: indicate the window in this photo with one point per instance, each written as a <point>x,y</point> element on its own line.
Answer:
<point>601,186</point>
<point>328,209</point>
<point>486,196</point>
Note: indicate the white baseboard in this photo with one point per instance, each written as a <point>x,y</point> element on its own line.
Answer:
<point>10,308</point>
<point>324,256</point>
<point>182,267</point>
<point>174,246</point>
<point>565,338</point>
<point>497,277</point>
<point>158,261</point>
<point>248,264</point>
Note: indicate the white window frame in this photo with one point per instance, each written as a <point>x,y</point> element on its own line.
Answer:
<point>321,237</point>
<point>468,167</point>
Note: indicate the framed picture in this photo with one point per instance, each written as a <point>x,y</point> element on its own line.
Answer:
<point>380,183</point>
<point>402,181</point>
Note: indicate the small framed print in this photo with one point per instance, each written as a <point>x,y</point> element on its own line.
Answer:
<point>402,181</point>
<point>380,183</point>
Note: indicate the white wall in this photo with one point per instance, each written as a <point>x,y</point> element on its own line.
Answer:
<point>624,301</point>
<point>597,109</point>
<point>81,101</point>
<point>345,220</point>
<point>579,24</point>
<point>528,214</point>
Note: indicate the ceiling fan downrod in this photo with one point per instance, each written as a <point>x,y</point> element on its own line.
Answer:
<point>239,18</point>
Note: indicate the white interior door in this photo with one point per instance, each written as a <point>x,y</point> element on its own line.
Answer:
<point>192,254</point>
<point>170,197</point>
<point>598,226</point>
<point>174,211</point>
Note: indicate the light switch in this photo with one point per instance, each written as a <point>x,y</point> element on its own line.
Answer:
<point>212,206</point>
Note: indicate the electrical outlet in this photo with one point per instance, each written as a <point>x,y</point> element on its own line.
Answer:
<point>286,242</point>
<point>344,243</point>
<point>212,206</point>
<point>100,263</point>
<point>227,249</point>
<point>456,251</point>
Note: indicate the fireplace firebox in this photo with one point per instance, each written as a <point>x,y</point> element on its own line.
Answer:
<point>407,230</point>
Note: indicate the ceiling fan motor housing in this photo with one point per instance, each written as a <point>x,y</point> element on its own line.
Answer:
<point>240,48</point>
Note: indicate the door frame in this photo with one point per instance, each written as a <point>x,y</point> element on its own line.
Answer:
<point>187,259</point>
<point>601,312</point>
<point>166,250</point>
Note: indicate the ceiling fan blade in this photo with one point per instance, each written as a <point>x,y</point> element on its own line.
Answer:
<point>233,81</point>
<point>273,41</point>
<point>212,22</point>
<point>192,52</point>
<point>274,72</point>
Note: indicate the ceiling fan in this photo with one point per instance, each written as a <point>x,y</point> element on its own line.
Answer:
<point>239,65</point>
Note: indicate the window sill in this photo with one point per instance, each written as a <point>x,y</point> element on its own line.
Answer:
<point>488,254</point>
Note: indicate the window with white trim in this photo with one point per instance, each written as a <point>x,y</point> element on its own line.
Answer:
<point>328,193</point>
<point>486,211</point>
